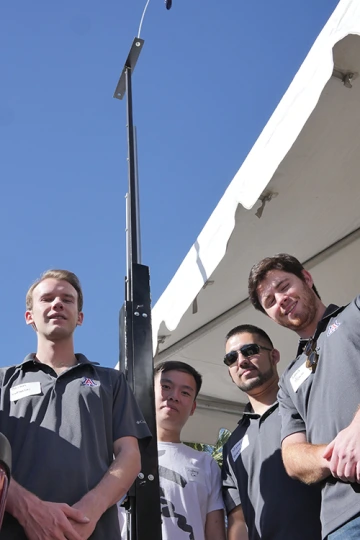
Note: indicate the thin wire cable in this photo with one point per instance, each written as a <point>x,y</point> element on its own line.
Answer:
<point>142,17</point>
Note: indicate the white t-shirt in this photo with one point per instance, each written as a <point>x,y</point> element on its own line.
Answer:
<point>190,488</point>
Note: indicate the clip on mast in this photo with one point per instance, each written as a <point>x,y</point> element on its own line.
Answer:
<point>136,361</point>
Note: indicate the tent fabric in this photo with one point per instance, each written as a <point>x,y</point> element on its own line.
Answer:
<point>254,175</point>
<point>307,160</point>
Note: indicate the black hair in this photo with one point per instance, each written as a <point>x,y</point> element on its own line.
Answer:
<point>250,329</point>
<point>175,365</point>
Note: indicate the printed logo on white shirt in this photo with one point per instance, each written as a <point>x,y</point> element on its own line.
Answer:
<point>240,447</point>
<point>24,390</point>
<point>192,473</point>
<point>299,376</point>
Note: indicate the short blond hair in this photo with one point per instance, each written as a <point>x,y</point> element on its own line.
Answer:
<point>64,275</point>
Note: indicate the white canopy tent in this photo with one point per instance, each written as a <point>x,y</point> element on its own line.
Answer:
<point>298,191</point>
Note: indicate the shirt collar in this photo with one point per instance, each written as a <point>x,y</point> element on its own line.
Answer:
<point>31,358</point>
<point>249,412</point>
<point>329,312</point>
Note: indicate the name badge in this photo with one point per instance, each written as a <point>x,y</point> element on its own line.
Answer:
<point>299,376</point>
<point>24,390</point>
<point>240,446</point>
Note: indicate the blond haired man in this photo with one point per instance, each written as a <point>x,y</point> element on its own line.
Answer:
<point>73,426</point>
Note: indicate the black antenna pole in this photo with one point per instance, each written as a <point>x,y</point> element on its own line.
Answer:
<point>136,361</point>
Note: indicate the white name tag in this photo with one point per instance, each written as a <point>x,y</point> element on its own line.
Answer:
<point>23,390</point>
<point>240,446</point>
<point>299,376</point>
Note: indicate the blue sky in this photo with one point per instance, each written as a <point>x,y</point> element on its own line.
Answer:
<point>209,76</point>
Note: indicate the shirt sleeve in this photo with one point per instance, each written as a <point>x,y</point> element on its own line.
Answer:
<point>230,488</point>
<point>128,420</point>
<point>291,420</point>
<point>215,501</point>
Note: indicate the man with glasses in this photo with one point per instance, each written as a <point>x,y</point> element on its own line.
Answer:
<point>319,392</point>
<point>261,500</point>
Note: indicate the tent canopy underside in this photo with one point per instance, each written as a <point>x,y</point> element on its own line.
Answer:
<point>312,213</point>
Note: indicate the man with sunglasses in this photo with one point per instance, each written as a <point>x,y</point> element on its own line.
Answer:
<point>261,500</point>
<point>319,392</point>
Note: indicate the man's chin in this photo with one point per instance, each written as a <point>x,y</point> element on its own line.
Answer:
<point>249,385</point>
<point>58,334</point>
<point>292,324</point>
<point>168,424</point>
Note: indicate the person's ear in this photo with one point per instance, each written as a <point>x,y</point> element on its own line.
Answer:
<point>193,408</point>
<point>229,373</point>
<point>29,319</point>
<point>275,356</point>
<point>308,278</point>
<point>80,318</point>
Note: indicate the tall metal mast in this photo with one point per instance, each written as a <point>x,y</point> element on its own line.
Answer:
<point>136,359</point>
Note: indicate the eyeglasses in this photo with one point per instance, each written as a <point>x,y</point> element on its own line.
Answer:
<point>246,351</point>
<point>312,356</point>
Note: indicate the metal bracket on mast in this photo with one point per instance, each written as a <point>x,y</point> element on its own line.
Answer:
<point>130,63</point>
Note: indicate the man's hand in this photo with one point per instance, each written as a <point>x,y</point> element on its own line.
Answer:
<point>112,487</point>
<point>343,453</point>
<point>42,520</point>
<point>46,520</point>
<point>88,506</point>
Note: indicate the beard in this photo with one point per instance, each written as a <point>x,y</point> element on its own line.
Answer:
<point>261,379</point>
<point>307,315</point>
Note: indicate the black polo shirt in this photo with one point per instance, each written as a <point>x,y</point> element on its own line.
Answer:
<point>62,429</point>
<point>325,402</point>
<point>275,506</point>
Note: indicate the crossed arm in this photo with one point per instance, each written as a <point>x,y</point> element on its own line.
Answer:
<point>42,520</point>
<point>313,463</point>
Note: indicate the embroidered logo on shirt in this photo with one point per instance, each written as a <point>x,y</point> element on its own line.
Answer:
<point>334,326</point>
<point>89,382</point>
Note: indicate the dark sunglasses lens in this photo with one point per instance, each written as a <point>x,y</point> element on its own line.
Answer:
<point>250,350</point>
<point>230,358</point>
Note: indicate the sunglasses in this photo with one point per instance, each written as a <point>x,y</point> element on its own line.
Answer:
<point>246,351</point>
<point>312,356</point>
